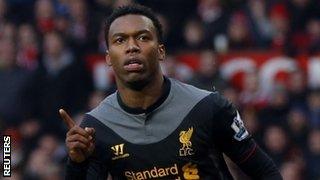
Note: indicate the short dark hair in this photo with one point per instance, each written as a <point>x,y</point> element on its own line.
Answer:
<point>137,10</point>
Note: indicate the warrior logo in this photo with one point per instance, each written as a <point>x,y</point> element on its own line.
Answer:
<point>118,152</point>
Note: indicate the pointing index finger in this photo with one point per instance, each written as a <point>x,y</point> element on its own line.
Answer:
<point>66,118</point>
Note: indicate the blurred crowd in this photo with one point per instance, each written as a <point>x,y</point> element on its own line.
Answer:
<point>48,60</point>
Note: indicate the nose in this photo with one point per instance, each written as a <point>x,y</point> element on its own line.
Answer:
<point>132,46</point>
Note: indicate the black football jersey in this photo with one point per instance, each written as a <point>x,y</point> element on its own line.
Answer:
<point>182,136</point>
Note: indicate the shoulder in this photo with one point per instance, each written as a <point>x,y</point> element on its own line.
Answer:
<point>110,100</point>
<point>188,90</point>
<point>110,103</point>
<point>213,99</point>
<point>100,114</point>
<point>220,102</point>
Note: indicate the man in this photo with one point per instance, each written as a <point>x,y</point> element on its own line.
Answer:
<point>14,85</point>
<point>154,127</point>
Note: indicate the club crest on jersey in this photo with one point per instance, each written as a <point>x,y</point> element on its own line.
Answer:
<point>239,129</point>
<point>184,138</point>
<point>118,151</point>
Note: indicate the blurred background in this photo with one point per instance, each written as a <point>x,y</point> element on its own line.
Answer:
<point>263,55</point>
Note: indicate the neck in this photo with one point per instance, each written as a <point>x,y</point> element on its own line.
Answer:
<point>142,98</point>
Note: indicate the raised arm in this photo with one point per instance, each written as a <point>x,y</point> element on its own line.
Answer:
<point>80,143</point>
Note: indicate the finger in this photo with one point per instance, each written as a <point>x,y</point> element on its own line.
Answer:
<point>77,137</point>
<point>89,130</point>
<point>66,118</point>
<point>78,145</point>
<point>78,130</point>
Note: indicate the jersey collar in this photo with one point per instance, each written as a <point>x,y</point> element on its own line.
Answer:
<point>162,98</point>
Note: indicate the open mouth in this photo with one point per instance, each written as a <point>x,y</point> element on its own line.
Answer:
<point>133,65</point>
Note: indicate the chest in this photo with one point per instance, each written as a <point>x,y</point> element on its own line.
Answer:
<point>185,153</point>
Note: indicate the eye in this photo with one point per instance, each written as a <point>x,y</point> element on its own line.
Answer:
<point>143,38</point>
<point>119,40</point>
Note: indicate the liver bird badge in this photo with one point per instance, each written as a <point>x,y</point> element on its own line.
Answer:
<point>185,137</point>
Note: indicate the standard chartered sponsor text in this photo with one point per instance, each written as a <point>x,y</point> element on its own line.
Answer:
<point>155,172</point>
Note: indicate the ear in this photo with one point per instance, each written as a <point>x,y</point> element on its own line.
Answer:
<point>162,52</point>
<point>107,57</point>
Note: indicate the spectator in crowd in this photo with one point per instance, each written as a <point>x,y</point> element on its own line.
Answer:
<point>95,98</point>
<point>276,143</point>
<point>297,127</point>
<point>208,76</point>
<point>292,170</point>
<point>62,23</point>
<point>171,67</point>
<point>214,18</point>
<point>238,32</point>
<point>42,163</point>
<point>260,25</point>
<point>277,108</point>
<point>8,31</point>
<point>30,132</point>
<point>313,32</point>
<point>313,101</point>
<point>3,15</point>
<point>252,94</point>
<point>28,48</point>
<point>252,123</point>
<point>44,13</point>
<point>82,30</point>
<point>176,19</point>
<point>300,11</point>
<point>56,82</point>
<point>14,82</point>
<point>193,36</point>
<point>3,10</point>
<point>297,88</point>
<point>279,18</point>
<point>100,39</point>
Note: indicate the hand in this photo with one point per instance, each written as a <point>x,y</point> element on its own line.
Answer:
<point>80,142</point>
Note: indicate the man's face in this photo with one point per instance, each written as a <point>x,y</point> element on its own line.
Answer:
<point>7,54</point>
<point>134,51</point>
